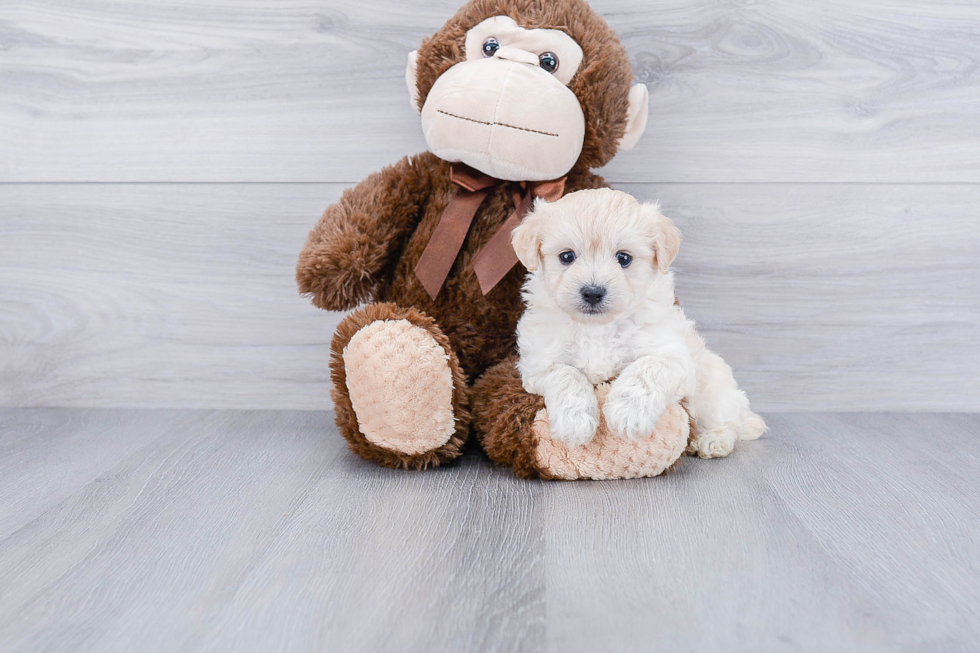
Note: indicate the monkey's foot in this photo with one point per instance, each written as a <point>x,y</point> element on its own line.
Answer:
<point>514,430</point>
<point>398,388</point>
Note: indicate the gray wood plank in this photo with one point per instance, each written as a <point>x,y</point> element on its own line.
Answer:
<point>160,296</point>
<point>238,90</point>
<point>834,533</point>
<point>873,512</point>
<point>842,297</point>
<point>74,448</point>
<point>837,297</point>
<point>256,530</point>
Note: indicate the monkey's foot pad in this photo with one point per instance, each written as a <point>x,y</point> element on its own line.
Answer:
<point>608,455</point>
<point>400,386</point>
<point>513,428</point>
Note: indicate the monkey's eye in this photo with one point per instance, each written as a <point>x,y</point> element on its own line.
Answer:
<point>624,259</point>
<point>490,47</point>
<point>549,62</point>
<point>567,257</point>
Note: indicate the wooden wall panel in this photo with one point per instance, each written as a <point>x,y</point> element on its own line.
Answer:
<point>822,159</point>
<point>247,90</point>
<point>159,295</point>
<point>829,297</point>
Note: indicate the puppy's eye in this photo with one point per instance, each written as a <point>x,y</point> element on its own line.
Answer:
<point>624,259</point>
<point>567,258</point>
<point>549,62</point>
<point>490,47</point>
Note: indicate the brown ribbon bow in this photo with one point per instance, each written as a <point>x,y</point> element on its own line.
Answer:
<point>497,257</point>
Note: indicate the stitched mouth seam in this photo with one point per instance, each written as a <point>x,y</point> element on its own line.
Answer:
<point>498,124</point>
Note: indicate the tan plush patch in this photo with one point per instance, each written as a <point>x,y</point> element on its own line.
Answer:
<point>400,386</point>
<point>609,456</point>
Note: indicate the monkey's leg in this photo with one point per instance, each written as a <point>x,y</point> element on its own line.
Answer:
<point>504,415</point>
<point>400,395</point>
<point>513,428</point>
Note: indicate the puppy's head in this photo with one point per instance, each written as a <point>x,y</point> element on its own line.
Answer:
<point>596,251</point>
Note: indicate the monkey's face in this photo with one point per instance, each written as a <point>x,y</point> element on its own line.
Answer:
<point>507,109</point>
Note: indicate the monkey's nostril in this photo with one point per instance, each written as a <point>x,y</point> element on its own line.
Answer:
<point>593,294</point>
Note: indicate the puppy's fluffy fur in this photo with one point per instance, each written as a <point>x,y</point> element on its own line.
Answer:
<point>600,307</point>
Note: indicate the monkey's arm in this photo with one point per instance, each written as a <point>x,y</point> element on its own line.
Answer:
<point>342,263</point>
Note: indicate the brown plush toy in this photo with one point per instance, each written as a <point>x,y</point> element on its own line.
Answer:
<point>519,99</point>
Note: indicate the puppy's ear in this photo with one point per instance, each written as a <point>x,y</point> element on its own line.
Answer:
<point>666,237</point>
<point>526,238</point>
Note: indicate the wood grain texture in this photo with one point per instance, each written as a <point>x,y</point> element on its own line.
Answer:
<point>841,297</point>
<point>253,530</point>
<point>833,533</point>
<point>259,531</point>
<point>160,296</point>
<point>241,90</point>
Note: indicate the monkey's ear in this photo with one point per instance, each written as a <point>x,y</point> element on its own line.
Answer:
<point>636,117</point>
<point>526,240</point>
<point>411,72</point>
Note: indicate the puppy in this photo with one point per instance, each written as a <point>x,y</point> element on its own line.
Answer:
<point>600,307</point>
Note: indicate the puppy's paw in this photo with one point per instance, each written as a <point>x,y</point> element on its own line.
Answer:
<point>716,443</point>
<point>574,422</point>
<point>632,412</point>
<point>575,429</point>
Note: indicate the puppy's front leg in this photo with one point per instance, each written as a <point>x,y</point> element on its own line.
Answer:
<point>573,410</point>
<point>642,392</point>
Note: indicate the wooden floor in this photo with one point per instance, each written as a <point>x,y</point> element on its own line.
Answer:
<point>125,530</point>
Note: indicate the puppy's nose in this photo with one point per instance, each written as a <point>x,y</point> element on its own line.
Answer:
<point>593,294</point>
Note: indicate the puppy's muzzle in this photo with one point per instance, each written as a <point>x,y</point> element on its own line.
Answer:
<point>592,297</point>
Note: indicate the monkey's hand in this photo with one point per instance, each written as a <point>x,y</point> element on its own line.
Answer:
<point>346,252</point>
<point>339,265</point>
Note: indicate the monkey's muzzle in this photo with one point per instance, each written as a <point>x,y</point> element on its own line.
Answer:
<point>510,120</point>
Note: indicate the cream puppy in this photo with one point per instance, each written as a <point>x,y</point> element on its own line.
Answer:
<point>600,307</point>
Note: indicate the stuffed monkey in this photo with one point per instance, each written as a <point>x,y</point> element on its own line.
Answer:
<point>518,99</point>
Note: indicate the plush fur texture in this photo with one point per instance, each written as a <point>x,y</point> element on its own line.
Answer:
<point>609,456</point>
<point>504,114</point>
<point>402,390</point>
<point>602,82</point>
<point>601,308</point>
<point>347,419</point>
<point>365,248</point>
<point>504,415</point>
<point>512,427</point>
